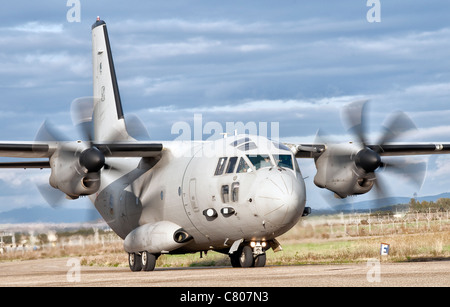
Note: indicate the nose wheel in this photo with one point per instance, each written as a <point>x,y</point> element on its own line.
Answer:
<point>248,256</point>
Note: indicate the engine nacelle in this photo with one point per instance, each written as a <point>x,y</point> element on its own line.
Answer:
<point>70,177</point>
<point>163,236</point>
<point>338,172</point>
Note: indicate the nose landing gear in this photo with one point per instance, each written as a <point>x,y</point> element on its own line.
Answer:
<point>249,255</point>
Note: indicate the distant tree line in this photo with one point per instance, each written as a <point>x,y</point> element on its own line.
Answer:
<point>442,204</point>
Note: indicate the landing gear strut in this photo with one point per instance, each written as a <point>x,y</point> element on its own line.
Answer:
<point>249,255</point>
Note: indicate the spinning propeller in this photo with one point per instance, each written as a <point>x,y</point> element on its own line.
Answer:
<point>369,157</point>
<point>82,161</point>
<point>369,160</point>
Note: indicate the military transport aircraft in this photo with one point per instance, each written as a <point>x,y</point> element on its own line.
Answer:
<point>235,195</point>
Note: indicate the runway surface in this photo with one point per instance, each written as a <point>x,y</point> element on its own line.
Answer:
<point>66,272</point>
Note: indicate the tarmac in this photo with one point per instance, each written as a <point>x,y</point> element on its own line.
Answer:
<point>67,272</point>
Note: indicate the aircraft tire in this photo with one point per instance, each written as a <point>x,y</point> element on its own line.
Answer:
<point>148,261</point>
<point>135,262</point>
<point>260,260</point>
<point>234,259</point>
<point>246,257</point>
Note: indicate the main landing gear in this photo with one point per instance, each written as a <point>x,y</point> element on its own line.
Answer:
<point>142,261</point>
<point>252,254</point>
<point>249,255</point>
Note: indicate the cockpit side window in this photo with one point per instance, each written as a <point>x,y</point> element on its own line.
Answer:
<point>284,161</point>
<point>220,166</point>
<point>260,161</point>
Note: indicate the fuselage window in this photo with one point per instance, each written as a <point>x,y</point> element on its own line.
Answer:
<point>243,167</point>
<point>231,165</point>
<point>284,161</point>
<point>260,161</point>
<point>220,166</point>
<point>225,193</point>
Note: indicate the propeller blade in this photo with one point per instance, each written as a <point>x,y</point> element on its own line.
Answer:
<point>368,160</point>
<point>381,190</point>
<point>354,115</point>
<point>81,111</point>
<point>398,124</point>
<point>48,133</point>
<point>136,128</point>
<point>411,169</point>
<point>54,197</point>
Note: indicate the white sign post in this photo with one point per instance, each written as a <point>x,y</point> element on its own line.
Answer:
<point>384,250</point>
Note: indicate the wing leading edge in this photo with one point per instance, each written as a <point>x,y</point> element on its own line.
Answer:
<point>40,150</point>
<point>315,150</point>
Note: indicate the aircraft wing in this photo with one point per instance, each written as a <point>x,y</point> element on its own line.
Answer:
<point>130,149</point>
<point>401,149</point>
<point>27,149</point>
<point>40,150</point>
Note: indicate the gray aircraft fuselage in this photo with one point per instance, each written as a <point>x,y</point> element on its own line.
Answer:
<point>251,201</point>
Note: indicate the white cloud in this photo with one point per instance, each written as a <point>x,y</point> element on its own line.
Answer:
<point>278,105</point>
<point>400,44</point>
<point>441,168</point>
<point>21,178</point>
<point>253,48</point>
<point>200,26</point>
<point>197,45</point>
<point>76,64</point>
<point>38,27</point>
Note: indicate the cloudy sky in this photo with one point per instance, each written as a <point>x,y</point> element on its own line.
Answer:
<point>295,63</point>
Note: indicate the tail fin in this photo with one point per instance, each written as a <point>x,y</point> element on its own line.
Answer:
<point>109,122</point>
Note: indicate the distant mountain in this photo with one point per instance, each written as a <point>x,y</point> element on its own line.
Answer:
<point>389,203</point>
<point>48,215</point>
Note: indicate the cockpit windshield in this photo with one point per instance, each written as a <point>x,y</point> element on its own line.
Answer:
<point>260,161</point>
<point>284,161</point>
<point>238,165</point>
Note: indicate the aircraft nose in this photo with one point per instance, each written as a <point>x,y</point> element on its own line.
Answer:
<point>280,198</point>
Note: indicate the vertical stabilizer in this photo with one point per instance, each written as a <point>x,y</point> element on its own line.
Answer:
<point>109,123</point>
